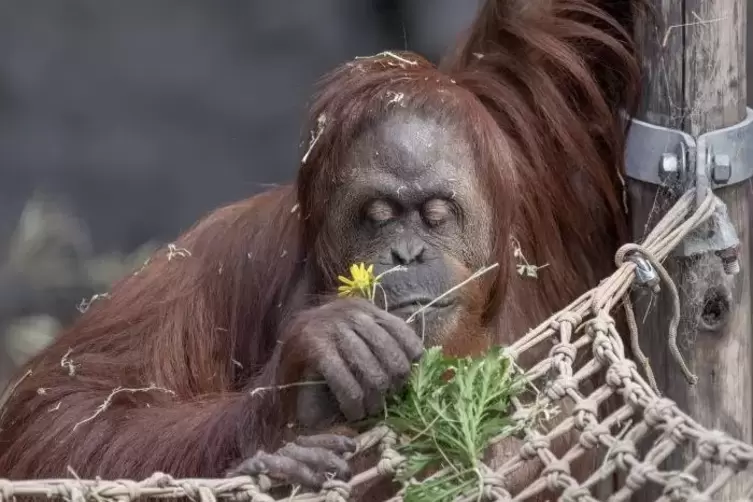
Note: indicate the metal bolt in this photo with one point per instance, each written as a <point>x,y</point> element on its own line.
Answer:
<point>722,170</point>
<point>730,261</point>
<point>670,164</point>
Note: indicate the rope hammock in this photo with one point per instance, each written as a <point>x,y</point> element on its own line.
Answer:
<point>585,329</point>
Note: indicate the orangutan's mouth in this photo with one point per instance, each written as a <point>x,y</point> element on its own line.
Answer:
<point>410,306</point>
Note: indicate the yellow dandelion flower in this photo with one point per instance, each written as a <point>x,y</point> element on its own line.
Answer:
<point>361,281</point>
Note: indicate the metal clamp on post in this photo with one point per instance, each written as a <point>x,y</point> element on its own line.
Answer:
<point>661,155</point>
<point>719,158</point>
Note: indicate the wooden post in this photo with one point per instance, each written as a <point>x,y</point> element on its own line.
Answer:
<point>749,63</point>
<point>695,81</point>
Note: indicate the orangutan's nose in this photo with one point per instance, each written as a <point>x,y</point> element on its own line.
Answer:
<point>407,251</point>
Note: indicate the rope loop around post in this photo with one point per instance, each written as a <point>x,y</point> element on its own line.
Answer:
<point>622,254</point>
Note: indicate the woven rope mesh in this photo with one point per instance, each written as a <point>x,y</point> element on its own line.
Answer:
<point>634,436</point>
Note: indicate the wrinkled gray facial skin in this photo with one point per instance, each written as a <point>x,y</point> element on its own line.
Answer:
<point>410,198</point>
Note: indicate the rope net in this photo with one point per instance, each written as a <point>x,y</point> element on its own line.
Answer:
<point>634,438</point>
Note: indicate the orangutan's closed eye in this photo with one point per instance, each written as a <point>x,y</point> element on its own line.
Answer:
<point>437,211</point>
<point>380,211</point>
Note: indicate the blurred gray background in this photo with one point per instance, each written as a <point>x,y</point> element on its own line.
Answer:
<point>123,122</point>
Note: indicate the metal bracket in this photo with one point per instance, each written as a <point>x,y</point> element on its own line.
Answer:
<point>719,158</point>
<point>661,155</point>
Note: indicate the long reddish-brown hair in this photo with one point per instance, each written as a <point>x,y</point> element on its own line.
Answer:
<point>558,76</point>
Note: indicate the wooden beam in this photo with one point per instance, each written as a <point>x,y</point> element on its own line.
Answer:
<point>695,80</point>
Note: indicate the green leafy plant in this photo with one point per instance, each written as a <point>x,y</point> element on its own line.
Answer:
<point>446,417</point>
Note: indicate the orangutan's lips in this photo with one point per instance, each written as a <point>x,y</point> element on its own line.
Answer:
<point>412,305</point>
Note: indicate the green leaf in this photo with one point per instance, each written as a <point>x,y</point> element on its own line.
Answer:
<point>446,417</point>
